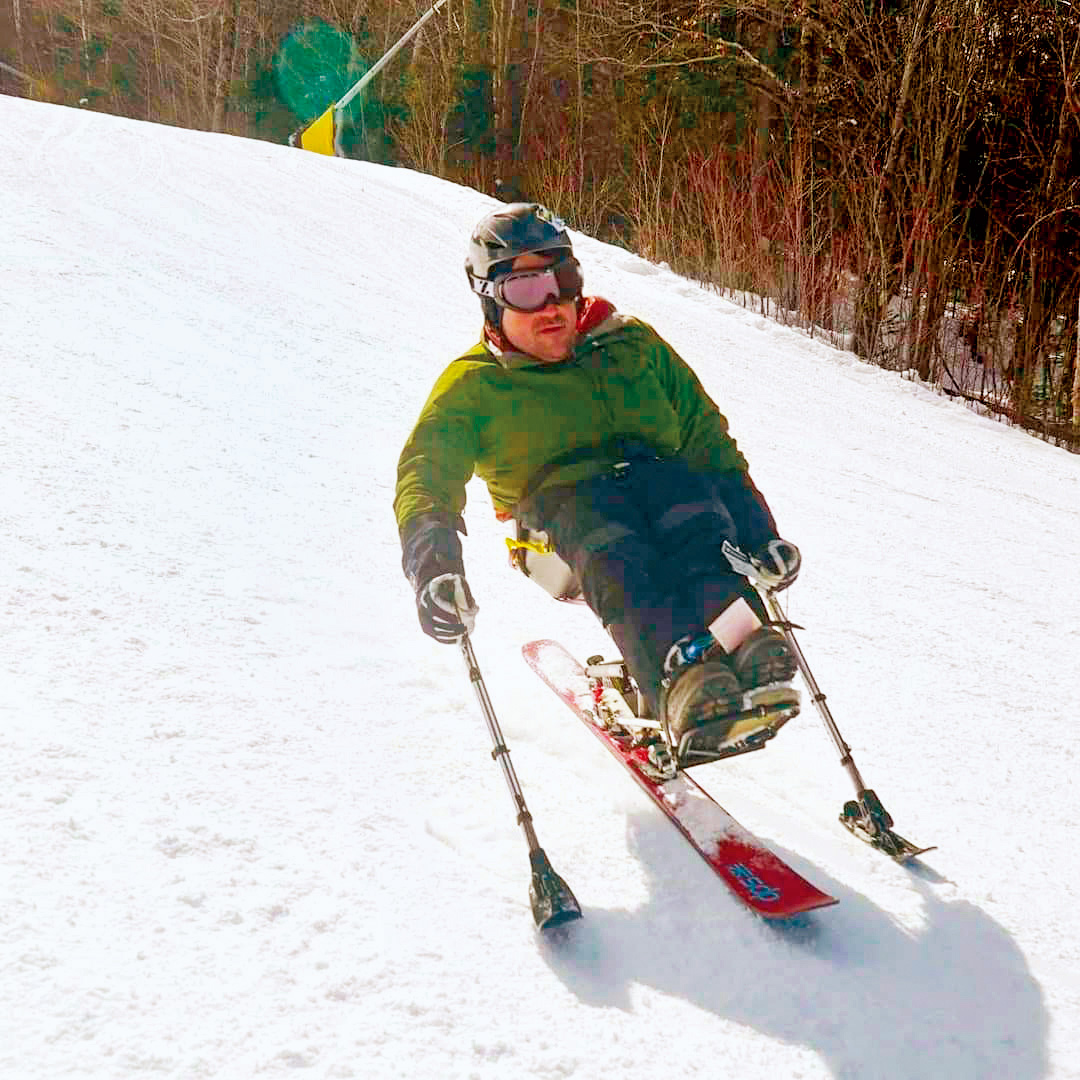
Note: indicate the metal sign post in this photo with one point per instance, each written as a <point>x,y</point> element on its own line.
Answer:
<point>322,134</point>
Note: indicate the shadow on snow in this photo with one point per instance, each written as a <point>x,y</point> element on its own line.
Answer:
<point>873,998</point>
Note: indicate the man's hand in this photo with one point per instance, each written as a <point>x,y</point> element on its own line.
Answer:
<point>446,608</point>
<point>774,565</point>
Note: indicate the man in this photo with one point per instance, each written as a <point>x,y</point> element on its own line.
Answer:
<point>587,426</point>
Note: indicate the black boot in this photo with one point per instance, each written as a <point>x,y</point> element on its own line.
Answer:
<point>702,687</point>
<point>718,705</point>
<point>765,666</point>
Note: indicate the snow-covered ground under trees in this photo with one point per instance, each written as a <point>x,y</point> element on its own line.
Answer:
<point>249,818</point>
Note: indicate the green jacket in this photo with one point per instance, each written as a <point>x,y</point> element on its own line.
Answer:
<point>506,417</point>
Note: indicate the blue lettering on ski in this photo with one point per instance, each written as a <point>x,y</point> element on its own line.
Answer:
<point>753,884</point>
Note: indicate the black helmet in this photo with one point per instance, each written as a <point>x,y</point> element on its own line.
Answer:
<point>503,235</point>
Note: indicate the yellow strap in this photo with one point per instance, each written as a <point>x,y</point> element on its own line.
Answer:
<point>529,545</point>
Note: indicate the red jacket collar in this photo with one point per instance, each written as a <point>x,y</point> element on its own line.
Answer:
<point>591,312</point>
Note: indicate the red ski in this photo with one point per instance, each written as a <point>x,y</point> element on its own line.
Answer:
<point>758,877</point>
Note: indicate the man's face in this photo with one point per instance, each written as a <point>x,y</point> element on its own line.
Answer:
<point>547,334</point>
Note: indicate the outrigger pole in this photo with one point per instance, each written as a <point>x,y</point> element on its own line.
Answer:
<point>552,901</point>
<point>864,815</point>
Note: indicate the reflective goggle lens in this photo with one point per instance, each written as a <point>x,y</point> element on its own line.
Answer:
<point>531,290</point>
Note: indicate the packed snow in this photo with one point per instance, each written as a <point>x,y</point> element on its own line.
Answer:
<point>250,820</point>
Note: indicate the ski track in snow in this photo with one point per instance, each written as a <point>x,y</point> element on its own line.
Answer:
<point>250,819</point>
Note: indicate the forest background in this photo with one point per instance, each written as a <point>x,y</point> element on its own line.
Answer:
<point>900,175</point>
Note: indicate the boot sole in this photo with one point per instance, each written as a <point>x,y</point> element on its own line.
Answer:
<point>742,733</point>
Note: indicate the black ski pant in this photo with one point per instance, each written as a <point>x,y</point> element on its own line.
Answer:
<point>644,540</point>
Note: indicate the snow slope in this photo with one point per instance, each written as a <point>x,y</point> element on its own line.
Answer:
<point>249,817</point>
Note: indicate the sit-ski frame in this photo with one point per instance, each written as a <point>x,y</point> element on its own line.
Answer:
<point>864,816</point>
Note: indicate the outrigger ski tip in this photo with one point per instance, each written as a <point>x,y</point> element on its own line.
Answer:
<point>867,819</point>
<point>553,904</point>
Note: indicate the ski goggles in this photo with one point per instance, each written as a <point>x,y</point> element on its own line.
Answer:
<point>533,290</point>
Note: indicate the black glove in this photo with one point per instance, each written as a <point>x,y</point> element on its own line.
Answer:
<point>431,559</point>
<point>774,565</point>
<point>780,563</point>
<point>447,609</point>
